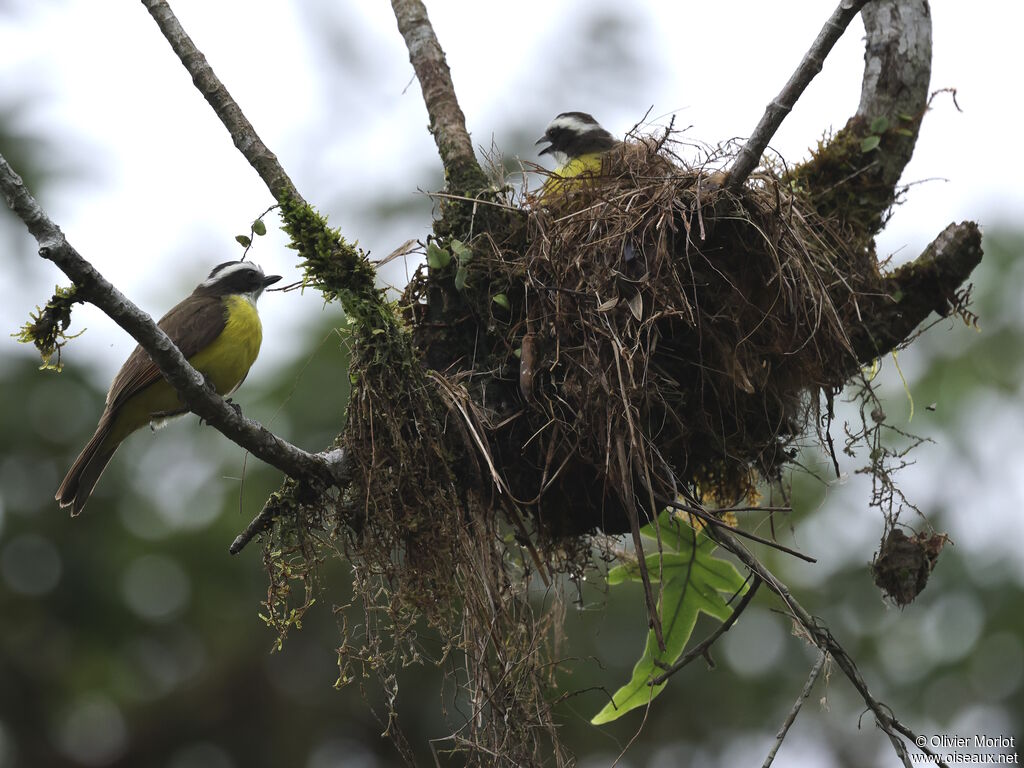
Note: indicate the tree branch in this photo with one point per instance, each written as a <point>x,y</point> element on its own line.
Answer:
<point>447,122</point>
<point>823,638</point>
<point>750,155</point>
<point>263,161</point>
<point>897,71</point>
<point>812,678</point>
<point>285,501</point>
<point>338,268</point>
<point>854,176</point>
<point>915,290</point>
<point>189,383</point>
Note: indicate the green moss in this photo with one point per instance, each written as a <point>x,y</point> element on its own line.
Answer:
<point>47,325</point>
<point>851,176</point>
<point>337,268</point>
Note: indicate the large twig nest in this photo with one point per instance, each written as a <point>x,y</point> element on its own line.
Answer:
<point>659,316</point>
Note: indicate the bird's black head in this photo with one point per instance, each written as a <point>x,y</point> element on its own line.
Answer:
<point>236,277</point>
<point>572,134</point>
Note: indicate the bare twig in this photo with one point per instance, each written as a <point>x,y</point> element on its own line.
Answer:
<point>823,638</point>
<point>701,649</point>
<point>447,122</point>
<point>750,155</point>
<point>791,717</point>
<point>263,161</point>
<point>200,398</point>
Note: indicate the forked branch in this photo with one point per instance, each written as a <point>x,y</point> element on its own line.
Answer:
<point>750,155</point>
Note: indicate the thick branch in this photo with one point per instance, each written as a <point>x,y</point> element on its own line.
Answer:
<point>823,638</point>
<point>190,384</point>
<point>447,122</point>
<point>897,71</point>
<point>748,158</point>
<point>854,176</point>
<point>209,85</point>
<point>915,290</point>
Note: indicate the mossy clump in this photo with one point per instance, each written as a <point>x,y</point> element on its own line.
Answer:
<point>47,326</point>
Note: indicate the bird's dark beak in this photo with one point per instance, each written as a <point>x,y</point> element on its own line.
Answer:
<point>543,140</point>
<point>270,280</point>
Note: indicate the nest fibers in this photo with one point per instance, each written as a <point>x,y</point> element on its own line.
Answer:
<point>674,336</point>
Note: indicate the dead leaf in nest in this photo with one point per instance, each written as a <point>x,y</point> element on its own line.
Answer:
<point>636,306</point>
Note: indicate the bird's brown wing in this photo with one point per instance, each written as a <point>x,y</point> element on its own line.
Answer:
<point>195,326</point>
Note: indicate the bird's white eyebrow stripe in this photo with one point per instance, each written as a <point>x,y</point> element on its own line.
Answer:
<point>573,124</point>
<point>247,266</point>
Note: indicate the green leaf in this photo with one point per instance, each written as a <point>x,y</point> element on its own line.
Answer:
<point>437,257</point>
<point>460,278</point>
<point>462,252</point>
<point>502,301</point>
<point>869,143</point>
<point>259,228</point>
<point>879,124</point>
<point>243,240</point>
<point>692,581</point>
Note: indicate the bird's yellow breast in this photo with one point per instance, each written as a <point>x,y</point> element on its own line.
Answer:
<point>562,181</point>
<point>225,363</point>
<point>228,359</point>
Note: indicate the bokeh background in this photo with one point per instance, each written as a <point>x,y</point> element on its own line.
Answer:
<point>129,637</point>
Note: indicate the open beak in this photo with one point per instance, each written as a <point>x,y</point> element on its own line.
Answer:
<point>543,140</point>
<point>270,280</point>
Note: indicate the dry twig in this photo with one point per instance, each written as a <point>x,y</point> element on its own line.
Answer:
<point>812,678</point>
<point>823,638</point>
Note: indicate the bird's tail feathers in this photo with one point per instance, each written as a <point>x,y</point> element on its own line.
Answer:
<point>87,469</point>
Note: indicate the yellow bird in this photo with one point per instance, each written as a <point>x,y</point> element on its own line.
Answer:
<point>578,143</point>
<point>216,328</point>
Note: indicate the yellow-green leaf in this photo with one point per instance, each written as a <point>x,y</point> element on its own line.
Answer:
<point>462,252</point>
<point>437,257</point>
<point>692,581</point>
<point>869,143</point>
